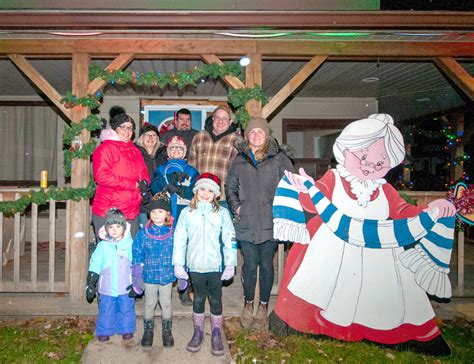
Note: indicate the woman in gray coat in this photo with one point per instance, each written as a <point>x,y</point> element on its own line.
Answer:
<point>250,187</point>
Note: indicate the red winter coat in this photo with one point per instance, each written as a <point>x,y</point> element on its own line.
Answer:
<point>118,166</point>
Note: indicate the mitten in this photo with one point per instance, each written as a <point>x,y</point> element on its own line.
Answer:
<point>137,279</point>
<point>228,273</point>
<point>180,273</point>
<point>91,288</point>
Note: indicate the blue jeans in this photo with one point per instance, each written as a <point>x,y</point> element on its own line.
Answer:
<point>258,255</point>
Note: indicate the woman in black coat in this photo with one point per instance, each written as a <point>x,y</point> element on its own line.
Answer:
<point>250,187</point>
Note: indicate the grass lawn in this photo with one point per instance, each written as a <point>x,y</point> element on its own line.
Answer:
<point>263,347</point>
<point>42,340</point>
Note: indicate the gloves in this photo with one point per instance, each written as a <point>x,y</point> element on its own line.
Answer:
<point>228,273</point>
<point>143,186</point>
<point>180,273</point>
<point>171,188</point>
<point>137,286</point>
<point>91,288</point>
<point>182,176</point>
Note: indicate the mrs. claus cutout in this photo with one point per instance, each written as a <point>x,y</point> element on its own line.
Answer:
<point>363,259</point>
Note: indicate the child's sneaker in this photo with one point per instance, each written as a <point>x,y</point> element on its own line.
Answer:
<point>127,336</point>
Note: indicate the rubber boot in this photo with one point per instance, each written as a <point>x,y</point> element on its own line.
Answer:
<point>198,336</point>
<point>217,347</point>
<point>168,341</point>
<point>185,298</point>
<point>260,321</point>
<point>147,339</point>
<point>246,320</point>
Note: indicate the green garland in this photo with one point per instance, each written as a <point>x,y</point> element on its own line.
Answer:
<point>162,80</point>
<point>237,98</point>
<point>42,196</point>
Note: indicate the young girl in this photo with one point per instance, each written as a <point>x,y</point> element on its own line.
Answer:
<point>196,245</point>
<point>152,253</point>
<point>110,266</point>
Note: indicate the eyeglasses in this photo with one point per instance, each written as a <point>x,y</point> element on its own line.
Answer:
<point>221,119</point>
<point>176,148</point>
<point>127,128</point>
<point>378,166</point>
<point>152,135</point>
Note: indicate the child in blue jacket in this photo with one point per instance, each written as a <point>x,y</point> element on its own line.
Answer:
<point>110,275</point>
<point>197,245</point>
<point>152,254</point>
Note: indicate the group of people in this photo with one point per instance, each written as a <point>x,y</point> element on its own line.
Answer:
<point>174,207</point>
<point>361,264</point>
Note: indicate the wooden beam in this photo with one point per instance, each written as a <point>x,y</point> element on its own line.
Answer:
<point>232,81</point>
<point>292,85</point>
<point>79,218</point>
<point>253,77</point>
<point>21,62</point>
<point>451,68</point>
<point>118,63</point>
<point>280,20</point>
<point>156,47</point>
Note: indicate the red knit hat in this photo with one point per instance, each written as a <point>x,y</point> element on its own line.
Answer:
<point>208,181</point>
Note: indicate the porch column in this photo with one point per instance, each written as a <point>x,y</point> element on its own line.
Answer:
<point>253,77</point>
<point>79,217</point>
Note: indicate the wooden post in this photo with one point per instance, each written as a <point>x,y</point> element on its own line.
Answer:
<point>79,218</point>
<point>253,77</point>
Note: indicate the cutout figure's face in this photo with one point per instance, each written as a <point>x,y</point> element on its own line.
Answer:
<point>368,163</point>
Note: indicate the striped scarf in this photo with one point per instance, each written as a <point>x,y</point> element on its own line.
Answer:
<point>433,237</point>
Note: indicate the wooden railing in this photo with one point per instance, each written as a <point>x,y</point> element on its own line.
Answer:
<point>421,197</point>
<point>42,267</point>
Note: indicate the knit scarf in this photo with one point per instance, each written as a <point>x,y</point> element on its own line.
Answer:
<point>432,237</point>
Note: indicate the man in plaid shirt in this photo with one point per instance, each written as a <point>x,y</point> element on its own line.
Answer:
<point>213,148</point>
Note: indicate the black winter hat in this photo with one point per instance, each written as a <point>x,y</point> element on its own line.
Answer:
<point>115,216</point>
<point>119,119</point>
<point>146,127</point>
<point>160,201</point>
<point>115,110</point>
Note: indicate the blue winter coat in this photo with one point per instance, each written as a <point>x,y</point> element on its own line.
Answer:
<point>196,239</point>
<point>166,174</point>
<point>154,249</point>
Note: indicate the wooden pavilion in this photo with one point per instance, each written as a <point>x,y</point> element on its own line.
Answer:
<point>127,35</point>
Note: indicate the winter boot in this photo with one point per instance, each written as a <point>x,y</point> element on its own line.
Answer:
<point>217,347</point>
<point>260,321</point>
<point>198,336</point>
<point>246,320</point>
<point>185,298</point>
<point>168,341</point>
<point>147,339</point>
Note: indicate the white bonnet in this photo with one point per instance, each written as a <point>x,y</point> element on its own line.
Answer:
<point>361,133</point>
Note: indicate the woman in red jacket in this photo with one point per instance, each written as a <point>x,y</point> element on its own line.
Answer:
<point>119,173</point>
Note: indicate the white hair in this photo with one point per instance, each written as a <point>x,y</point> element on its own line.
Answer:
<point>361,133</point>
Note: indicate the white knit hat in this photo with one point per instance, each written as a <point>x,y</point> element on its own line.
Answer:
<point>208,181</point>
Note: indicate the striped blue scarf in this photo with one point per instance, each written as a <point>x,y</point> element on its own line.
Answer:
<point>428,259</point>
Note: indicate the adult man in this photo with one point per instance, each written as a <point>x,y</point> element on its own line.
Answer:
<point>182,129</point>
<point>213,149</point>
